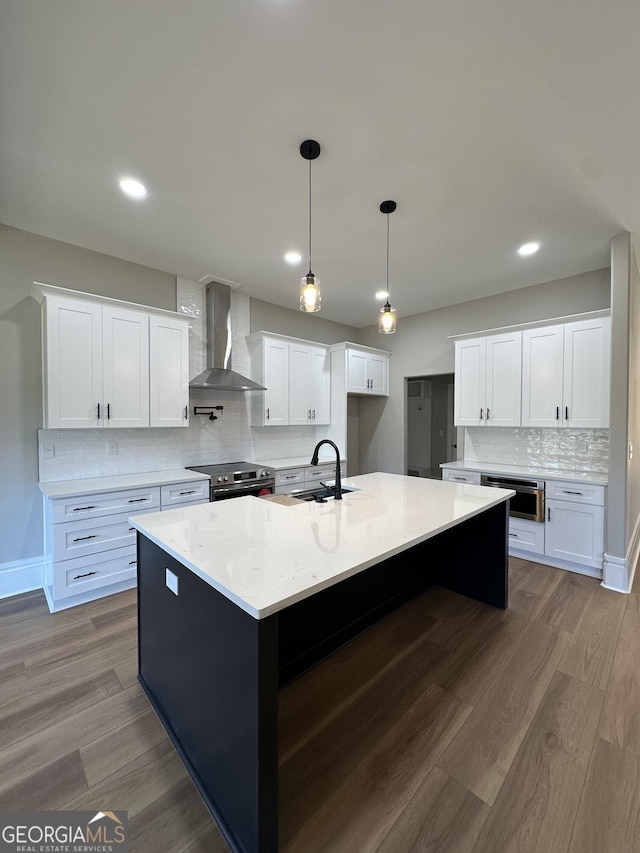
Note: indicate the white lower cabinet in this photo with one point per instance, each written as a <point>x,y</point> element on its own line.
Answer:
<point>90,547</point>
<point>525,535</point>
<point>575,532</point>
<point>291,481</point>
<point>458,476</point>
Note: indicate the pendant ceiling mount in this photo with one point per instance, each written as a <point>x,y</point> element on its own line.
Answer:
<point>310,149</point>
<point>388,207</point>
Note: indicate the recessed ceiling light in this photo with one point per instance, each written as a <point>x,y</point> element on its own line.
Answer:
<point>293,258</point>
<point>528,249</point>
<point>382,294</point>
<point>133,188</point>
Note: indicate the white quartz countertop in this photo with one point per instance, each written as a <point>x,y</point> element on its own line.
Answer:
<point>594,478</point>
<point>264,556</point>
<point>299,462</point>
<point>118,483</point>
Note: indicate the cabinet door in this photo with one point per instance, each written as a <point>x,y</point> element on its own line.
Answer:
<point>586,373</point>
<point>299,387</point>
<point>320,385</point>
<point>276,379</point>
<point>575,532</point>
<point>542,368</point>
<point>378,375</point>
<point>504,380</point>
<point>72,342</point>
<point>125,367</point>
<point>470,372</point>
<point>357,374</point>
<point>168,372</point>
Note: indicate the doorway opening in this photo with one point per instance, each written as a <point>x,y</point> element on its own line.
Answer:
<point>430,436</point>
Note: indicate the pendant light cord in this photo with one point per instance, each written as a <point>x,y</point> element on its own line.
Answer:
<point>310,216</point>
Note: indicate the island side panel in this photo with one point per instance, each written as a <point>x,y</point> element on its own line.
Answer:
<point>211,672</point>
<point>473,558</point>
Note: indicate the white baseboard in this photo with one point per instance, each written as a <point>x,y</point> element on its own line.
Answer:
<point>21,576</point>
<point>619,572</point>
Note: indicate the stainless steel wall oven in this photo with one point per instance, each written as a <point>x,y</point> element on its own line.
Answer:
<point>528,501</point>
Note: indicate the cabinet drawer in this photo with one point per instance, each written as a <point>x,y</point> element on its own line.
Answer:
<point>578,493</point>
<point>289,476</point>
<point>93,535</point>
<point>526,535</point>
<point>320,472</point>
<point>72,577</point>
<point>461,476</point>
<point>181,493</point>
<point>107,503</point>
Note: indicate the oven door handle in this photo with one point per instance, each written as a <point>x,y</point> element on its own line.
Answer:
<point>239,488</point>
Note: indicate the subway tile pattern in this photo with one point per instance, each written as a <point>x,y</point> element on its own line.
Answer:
<point>557,449</point>
<point>73,454</point>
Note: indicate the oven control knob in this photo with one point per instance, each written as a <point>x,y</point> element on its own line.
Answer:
<point>222,479</point>
<point>264,473</point>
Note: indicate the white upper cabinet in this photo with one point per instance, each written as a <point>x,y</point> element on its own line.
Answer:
<point>110,364</point>
<point>565,377</point>
<point>488,380</point>
<point>297,377</point>
<point>168,372</point>
<point>125,368</point>
<point>367,372</point>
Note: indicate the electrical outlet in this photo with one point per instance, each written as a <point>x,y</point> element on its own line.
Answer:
<point>112,448</point>
<point>47,451</point>
<point>171,581</point>
<point>583,447</point>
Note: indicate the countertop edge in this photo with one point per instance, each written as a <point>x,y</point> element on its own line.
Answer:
<point>593,478</point>
<point>117,483</point>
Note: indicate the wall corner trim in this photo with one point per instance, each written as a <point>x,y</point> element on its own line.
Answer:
<point>21,576</point>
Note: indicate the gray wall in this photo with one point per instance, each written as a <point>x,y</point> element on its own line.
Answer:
<point>266,317</point>
<point>421,347</point>
<point>633,464</point>
<point>25,258</point>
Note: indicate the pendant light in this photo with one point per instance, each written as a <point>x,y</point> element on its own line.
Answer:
<point>310,285</point>
<point>387,319</point>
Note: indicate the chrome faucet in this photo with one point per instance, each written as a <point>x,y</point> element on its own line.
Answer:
<point>314,461</point>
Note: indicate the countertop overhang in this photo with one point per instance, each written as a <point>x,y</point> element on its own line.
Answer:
<point>264,556</point>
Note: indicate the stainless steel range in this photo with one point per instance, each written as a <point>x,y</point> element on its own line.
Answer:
<point>235,479</point>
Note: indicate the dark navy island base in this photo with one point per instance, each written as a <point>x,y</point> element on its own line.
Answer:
<point>212,671</point>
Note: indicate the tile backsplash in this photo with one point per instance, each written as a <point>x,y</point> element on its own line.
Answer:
<point>72,454</point>
<point>559,449</point>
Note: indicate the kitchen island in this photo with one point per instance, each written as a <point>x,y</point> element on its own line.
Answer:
<point>237,598</point>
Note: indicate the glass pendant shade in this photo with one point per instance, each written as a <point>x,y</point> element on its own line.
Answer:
<point>387,320</point>
<point>310,296</point>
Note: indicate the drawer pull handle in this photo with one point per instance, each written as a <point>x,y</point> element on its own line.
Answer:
<point>86,575</point>
<point>82,508</point>
<point>464,479</point>
<point>133,562</point>
<point>132,528</point>
<point>515,535</point>
<point>569,492</point>
<point>291,476</point>
<point>82,538</point>
<point>137,500</point>
<point>192,492</point>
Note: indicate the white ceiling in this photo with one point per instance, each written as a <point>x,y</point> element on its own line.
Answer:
<point>490,123</point>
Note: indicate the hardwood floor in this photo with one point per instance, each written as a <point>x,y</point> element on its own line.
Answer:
<point>449,727</point>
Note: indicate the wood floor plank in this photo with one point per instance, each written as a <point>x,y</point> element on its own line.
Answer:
<point>48,788</point>
<point>609,814</point>
<point>536,577</point>
<point>620,723</point>
<point>357,812</point>
<point>537,804</point>
<point>23,718</point>
<point>566,599</point>
<point>589,655</point>
<point>79,728</point>
<point>104,756</point>
<point>480,654</point>
<point>481,754</point>
<point>441,817</point>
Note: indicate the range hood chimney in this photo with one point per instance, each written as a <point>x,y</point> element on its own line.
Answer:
<point>219,376</point>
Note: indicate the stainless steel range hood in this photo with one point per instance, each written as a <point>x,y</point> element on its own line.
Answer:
<point>219,376</point>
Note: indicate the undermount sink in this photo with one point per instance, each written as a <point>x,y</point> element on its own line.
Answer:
<point>321,494</point>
